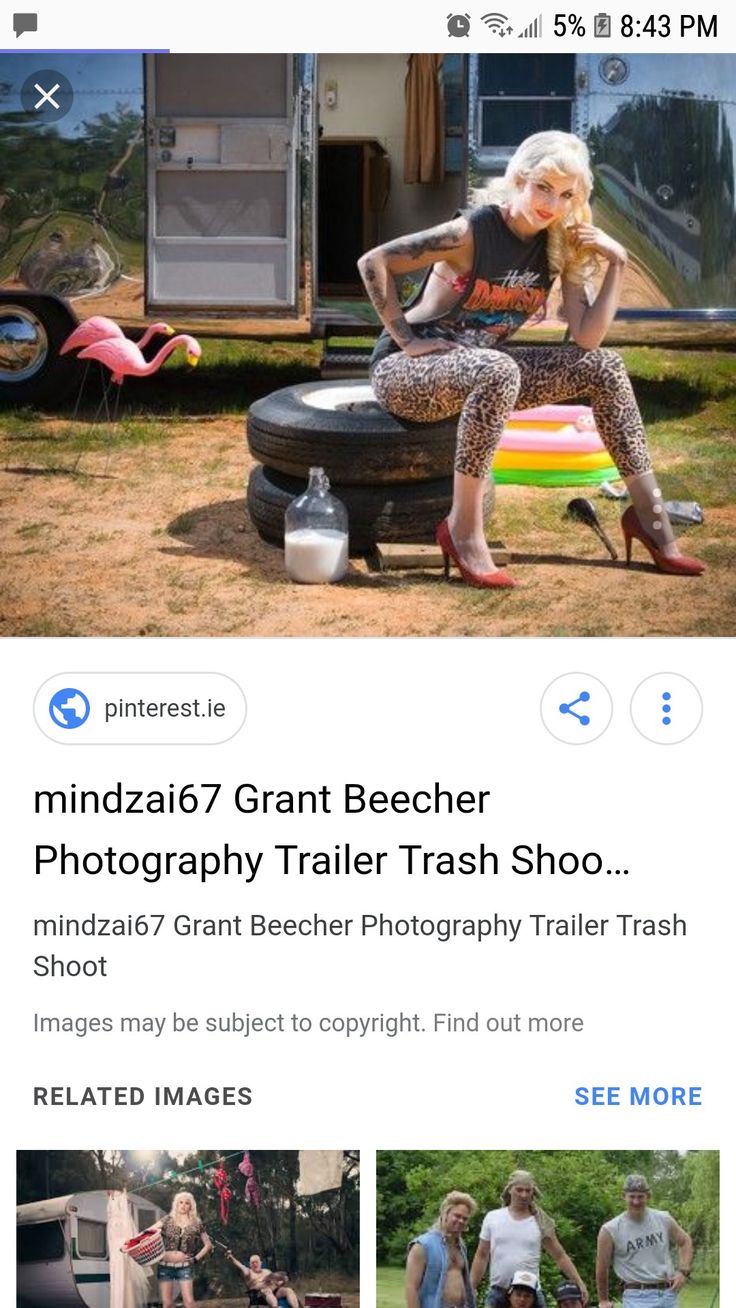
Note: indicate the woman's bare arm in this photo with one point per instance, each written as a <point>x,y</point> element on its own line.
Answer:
<point>589,322</point>
<point>206,1249</point>
<point>450,243</point>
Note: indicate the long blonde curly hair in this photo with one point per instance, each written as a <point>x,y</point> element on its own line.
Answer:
<point>193,1217</point>
<point>567,156</point>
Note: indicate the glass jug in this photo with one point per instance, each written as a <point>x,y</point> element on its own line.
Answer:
<point>316,534</point>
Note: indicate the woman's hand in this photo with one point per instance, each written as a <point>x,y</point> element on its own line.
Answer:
<point>418,346</point>
<point>588,237</point>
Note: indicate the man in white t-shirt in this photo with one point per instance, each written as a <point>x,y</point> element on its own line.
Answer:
<point>513,1237</point>
<point>639,1244</point>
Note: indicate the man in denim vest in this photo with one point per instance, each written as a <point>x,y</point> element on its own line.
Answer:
<point>437,1271</point>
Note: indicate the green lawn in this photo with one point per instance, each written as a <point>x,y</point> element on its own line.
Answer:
<point>390,1290</point>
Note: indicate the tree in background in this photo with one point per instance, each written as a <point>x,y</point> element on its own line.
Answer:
<point>316,1235</point>
<point>580,1189</point>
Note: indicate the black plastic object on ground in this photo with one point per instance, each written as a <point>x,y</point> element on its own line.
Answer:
<point>582,510</point>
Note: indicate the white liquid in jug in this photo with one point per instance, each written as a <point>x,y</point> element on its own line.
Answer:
<point>316,556</point>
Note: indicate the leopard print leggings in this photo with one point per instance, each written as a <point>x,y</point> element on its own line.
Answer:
<point>485,386</point>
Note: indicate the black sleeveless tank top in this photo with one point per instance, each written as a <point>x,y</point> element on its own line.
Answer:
<point>507,284</point>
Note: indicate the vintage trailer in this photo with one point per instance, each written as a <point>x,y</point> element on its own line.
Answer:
<point>63,1257</point>
<point>232,193</point>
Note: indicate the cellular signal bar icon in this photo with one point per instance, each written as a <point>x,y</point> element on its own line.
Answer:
<point>497,23</point>
<point>534,29</point>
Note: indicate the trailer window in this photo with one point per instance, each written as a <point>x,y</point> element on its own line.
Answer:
<point>518,97</point>
<point>453,85</point>
<point>146,1218</point>
<point>91,1239</point>
<point>43,1242</point>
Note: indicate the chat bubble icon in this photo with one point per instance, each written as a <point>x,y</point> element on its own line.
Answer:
<point>24,23</point>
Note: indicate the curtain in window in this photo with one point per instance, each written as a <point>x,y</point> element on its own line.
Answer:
<point>424,123</point>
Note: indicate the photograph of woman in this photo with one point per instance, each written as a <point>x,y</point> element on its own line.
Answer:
<point>488,270</point>
<point>185,1243</point>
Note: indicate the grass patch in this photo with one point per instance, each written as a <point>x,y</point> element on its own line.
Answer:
<point>699,1293</point>
<point>52,444</point>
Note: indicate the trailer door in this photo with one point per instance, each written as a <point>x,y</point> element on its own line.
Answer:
<point>222,211</point>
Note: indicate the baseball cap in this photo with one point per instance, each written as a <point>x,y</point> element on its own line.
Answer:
<point>523,1280</point>
<point>568,1291</point>
<point>635,1183</point>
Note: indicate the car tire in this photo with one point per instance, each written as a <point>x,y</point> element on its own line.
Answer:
<point>32,330</point>
<point>341,427</point>
<point>402,512</point>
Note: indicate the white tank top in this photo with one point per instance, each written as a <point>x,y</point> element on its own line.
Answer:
<point>514,1244</point>
<point>641,1250</point>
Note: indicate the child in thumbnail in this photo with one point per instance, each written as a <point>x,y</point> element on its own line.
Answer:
<point>487,271</point>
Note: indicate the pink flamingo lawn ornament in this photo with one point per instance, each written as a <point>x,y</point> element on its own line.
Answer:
<point>124,359</point>
<point>96,329</point>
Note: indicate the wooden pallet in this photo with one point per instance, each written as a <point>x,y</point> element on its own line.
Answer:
<point>390,558</point>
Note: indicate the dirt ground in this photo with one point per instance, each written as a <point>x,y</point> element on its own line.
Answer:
<point>153,539</point>
<point>327,1283</point>
<point>348,1301</point>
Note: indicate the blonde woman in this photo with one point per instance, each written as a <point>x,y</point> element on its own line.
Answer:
<point>185,1243</point>
<point>488,271</point>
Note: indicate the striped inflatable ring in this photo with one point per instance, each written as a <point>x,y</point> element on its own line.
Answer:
<point>556,414</point>
<point>528,477</point>
<point>564,440</point>
<point>536,462</point>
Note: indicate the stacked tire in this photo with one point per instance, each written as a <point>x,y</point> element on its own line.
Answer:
<point>395,477</point>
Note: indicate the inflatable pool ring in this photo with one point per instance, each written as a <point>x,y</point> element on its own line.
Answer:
<point>534,461</point>
<point>552,445</point>
<point>556,414</point>
<point>563,440</point>
<point>526,477</point>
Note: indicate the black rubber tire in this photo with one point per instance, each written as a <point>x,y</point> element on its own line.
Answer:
<point>403,512</point>
<point>56,375</point>
<point>361,446</point>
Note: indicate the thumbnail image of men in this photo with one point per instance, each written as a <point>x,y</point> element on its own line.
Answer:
<point>512,1237</point>
<point>437,1271</point>
<point>639,1245</point>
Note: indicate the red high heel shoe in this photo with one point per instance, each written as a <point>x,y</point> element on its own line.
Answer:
<point>498,579</point>
<point>679,566</point>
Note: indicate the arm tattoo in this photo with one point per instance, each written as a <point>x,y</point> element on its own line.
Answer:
<point>448,237</point>
<point>401,331</point>
<point>375,291</point>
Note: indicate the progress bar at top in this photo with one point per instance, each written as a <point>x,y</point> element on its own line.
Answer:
<point>83,49</point>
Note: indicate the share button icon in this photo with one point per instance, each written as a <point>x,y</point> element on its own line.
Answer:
<point>576,708</point>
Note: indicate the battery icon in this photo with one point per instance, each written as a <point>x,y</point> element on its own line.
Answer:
<point>602,25</point>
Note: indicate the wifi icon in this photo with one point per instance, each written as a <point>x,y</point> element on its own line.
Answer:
<point>497,23</point>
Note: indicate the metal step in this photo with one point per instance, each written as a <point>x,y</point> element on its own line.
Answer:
<point>345,361</point>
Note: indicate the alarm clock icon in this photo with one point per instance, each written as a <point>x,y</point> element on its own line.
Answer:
<point>458,24</point>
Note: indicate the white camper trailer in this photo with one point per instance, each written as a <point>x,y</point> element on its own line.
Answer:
<point>233,193</point>
<point>63,1257</point>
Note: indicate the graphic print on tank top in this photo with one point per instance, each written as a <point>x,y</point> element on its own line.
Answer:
<point>508,284</point>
